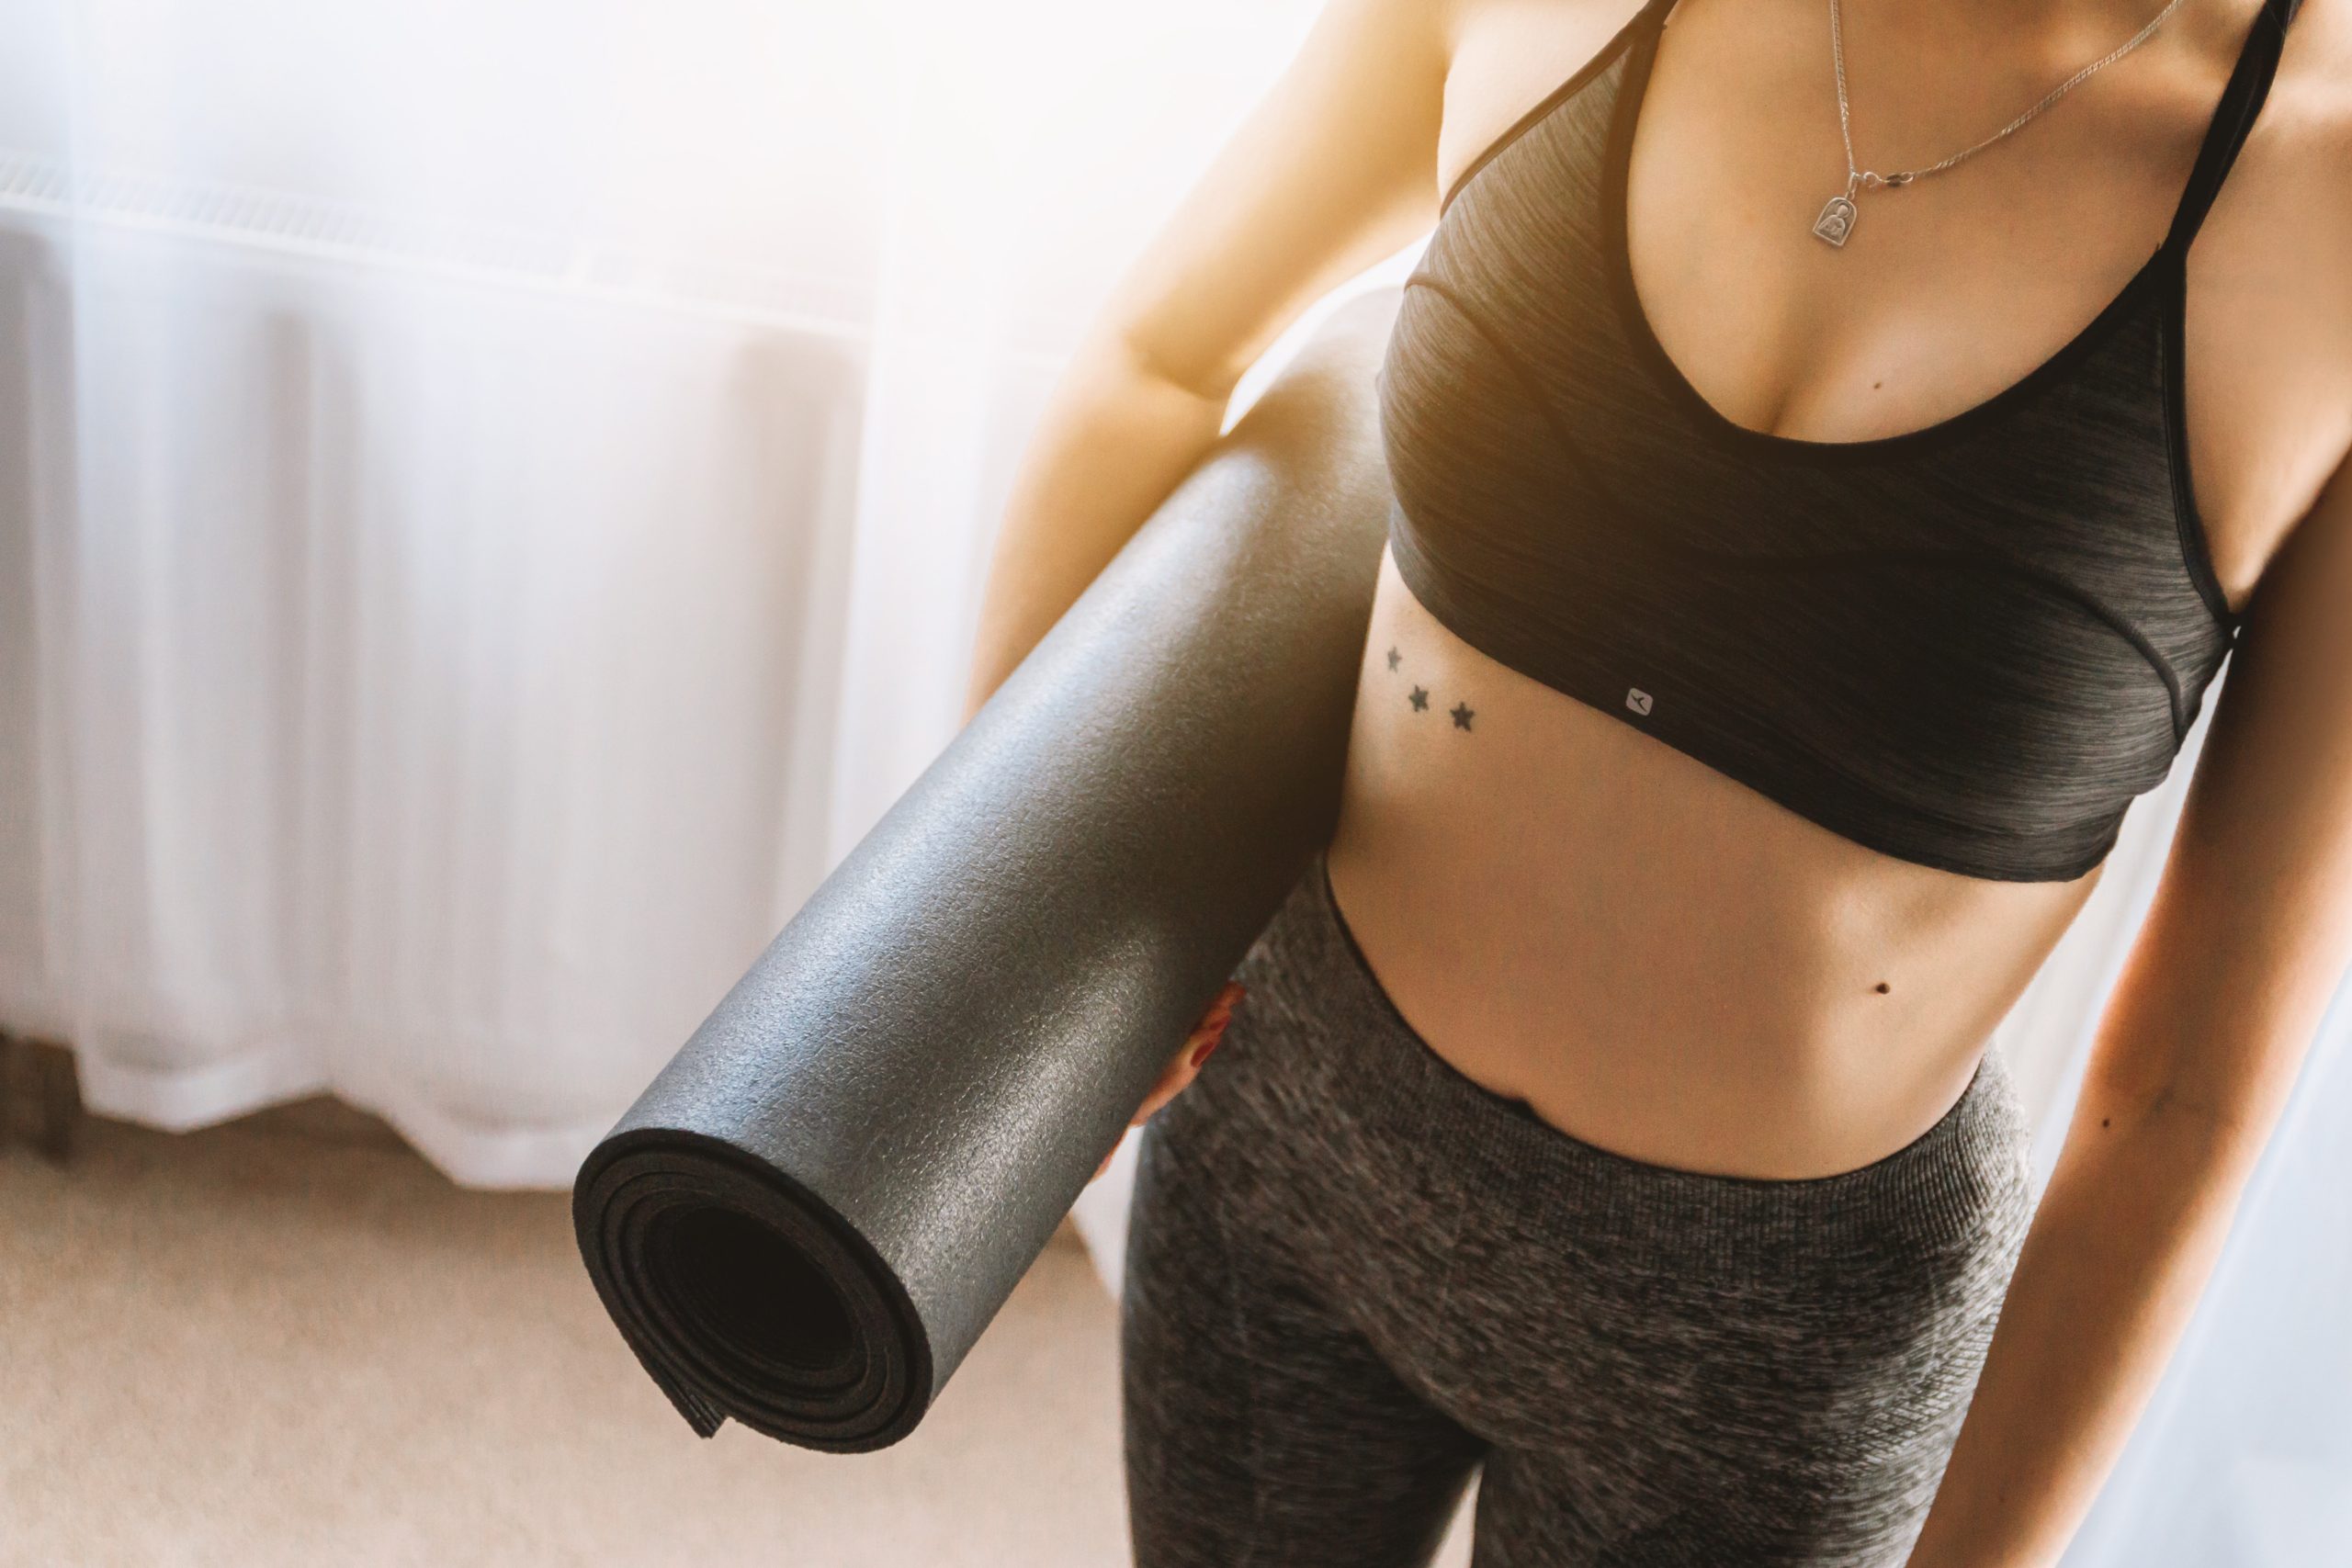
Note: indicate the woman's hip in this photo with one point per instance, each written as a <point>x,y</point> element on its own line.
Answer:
<point>1546,1288</point>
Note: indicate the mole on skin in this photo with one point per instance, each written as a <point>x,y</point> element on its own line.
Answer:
<point>1883,987</point>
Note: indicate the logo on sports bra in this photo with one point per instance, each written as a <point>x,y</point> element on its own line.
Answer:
<point>1637,699</point>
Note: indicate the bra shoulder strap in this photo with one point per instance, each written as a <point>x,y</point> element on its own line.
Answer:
<point>2234,117</point>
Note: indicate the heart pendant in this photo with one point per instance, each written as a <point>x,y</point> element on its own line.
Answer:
<point>1836,221</point>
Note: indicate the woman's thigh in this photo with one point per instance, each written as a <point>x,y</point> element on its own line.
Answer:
<point>1678,1370</point>
<point>1261,1427</point>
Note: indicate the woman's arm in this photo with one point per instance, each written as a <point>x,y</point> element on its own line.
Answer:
<point>2244,948</point>
<point>1333,170</point>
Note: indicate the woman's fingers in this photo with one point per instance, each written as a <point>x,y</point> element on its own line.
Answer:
<point>1210,1030</point>
<point>1186,1063</point>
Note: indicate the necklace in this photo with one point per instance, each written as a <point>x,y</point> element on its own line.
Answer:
<point>1836,220</point>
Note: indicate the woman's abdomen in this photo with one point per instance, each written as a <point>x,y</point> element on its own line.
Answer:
<point>1659,959</point>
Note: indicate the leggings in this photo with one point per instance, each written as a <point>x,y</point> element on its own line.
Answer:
<point>1355,1277</point>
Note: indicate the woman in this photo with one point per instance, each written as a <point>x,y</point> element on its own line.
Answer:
<point>1802,556</point>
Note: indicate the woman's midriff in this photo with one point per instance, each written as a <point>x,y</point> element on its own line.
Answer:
<point>1658,960</point>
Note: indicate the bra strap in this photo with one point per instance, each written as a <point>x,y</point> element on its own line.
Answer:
<point>2233,117</point>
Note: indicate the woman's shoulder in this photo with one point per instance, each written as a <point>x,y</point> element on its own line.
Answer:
<point>2268,376</point>
<point>2304,134</point>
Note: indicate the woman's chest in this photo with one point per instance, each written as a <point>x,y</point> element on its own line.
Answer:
<point>1710,144</point>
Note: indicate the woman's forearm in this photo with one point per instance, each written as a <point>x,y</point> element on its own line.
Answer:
<point>1116,438</point>
<point>2117,1253</point>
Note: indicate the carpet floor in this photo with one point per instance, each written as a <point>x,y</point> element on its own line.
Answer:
<point>288,1341</point>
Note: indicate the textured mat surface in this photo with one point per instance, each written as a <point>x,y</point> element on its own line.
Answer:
<point>810,1216</point>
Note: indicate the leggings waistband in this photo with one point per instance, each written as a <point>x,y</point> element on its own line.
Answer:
<point>1337,1025</point>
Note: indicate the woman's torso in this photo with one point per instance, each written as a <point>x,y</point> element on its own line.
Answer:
<point>1659,958</point>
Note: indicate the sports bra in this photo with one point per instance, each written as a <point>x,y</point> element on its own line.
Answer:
<point>1970,644</point>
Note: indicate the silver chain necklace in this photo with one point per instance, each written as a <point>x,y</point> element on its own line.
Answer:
<point>1836,220</point>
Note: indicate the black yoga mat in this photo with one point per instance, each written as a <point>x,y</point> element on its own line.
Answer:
<point>810,1216</point>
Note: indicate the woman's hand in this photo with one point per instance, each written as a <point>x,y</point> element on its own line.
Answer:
<point>1185,1065</point>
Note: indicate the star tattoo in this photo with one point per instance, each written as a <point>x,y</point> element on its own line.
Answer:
<point>1393,658</point>
<point>1462,714</point>
<point>1420,699</point>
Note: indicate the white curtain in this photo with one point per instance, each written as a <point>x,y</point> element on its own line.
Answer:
<point>492,505</point>
<point>493,498</point>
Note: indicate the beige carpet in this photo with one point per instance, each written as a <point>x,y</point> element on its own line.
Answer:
<point>289,1342</point>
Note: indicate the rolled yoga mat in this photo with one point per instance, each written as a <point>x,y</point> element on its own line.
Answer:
<point>812,1212</point>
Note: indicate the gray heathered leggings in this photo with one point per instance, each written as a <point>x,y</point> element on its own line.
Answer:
<point>1354,1276</point>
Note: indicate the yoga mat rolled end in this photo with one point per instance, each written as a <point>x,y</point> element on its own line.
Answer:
<point>744,1295</point>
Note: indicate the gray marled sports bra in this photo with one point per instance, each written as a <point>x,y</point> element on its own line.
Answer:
<point>1969,646</point>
